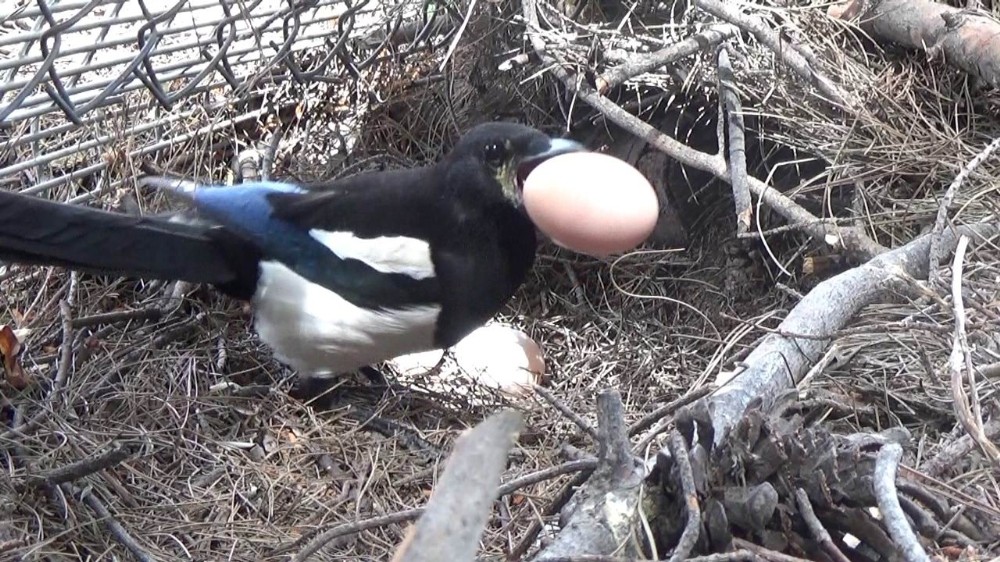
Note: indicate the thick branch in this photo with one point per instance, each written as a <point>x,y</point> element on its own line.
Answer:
<point>966,39</point>
<point>459,508</point>
<point>784,357</point>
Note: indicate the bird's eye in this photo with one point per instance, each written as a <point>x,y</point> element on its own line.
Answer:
<point>494,154</point>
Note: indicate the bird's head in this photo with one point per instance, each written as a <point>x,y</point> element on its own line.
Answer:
<point>500,156</point>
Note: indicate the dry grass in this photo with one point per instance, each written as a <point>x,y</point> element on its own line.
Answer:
<point>223,473</point>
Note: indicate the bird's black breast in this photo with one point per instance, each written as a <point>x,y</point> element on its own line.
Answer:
<point>480,268</point>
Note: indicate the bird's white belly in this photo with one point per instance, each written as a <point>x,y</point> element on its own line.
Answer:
<point>318,333</point>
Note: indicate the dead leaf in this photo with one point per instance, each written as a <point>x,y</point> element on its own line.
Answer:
<point>10,348</point>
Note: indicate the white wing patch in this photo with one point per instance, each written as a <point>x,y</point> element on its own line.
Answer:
<point>387,254</point>
<point>318,333</point>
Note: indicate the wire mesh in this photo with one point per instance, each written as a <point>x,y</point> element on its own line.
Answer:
<point>82,82</point>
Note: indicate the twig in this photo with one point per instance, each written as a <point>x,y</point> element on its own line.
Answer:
<point>458,35</point>
<point>81,468</point>
<point>641,64</point>
<point>949,195</point>
<point>765,553</point>
<point>459,508</point>
<point>959,362</point>
<point>784,356</point>
<point>325,537</point>
<point>783,49</point>
<point>565,494</point>
<point>547,474</point>
<point>945,457</point>
<point>884,482</point>
<point>817,529</point>
<point>566,411</point>
<point>665,410</point>
<point>689,538</point>
<point>114,527</point>
<point>584,466</point>
<point>731,112</point>
<point>964,38</point>
<point>122,316</point>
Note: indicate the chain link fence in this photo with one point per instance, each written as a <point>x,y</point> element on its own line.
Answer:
<point>87,86</point>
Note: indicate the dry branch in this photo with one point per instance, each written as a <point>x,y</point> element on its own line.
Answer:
<point>731,113</point>
<point>945,458</point>
<point>884,482</point>
<point>783,358</point>
<point>816,527</point>
<point>780,46</point>
<point>117,530</point>
<point>692,527</point>
<point>960,364</point>
<point>967,39</point>
<point>457,512</point>
<point>949,195</point>
<point>641,64</point>
<point>81,468</point>
<point>601,517</point>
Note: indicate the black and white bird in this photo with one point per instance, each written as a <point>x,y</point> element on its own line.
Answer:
<point>343,274</point>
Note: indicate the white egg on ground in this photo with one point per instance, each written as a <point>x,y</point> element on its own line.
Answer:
<point>591,203</point>
<point>495,356</point>
<point>501,357</point>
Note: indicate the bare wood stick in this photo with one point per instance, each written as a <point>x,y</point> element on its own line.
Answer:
<point>81,468</point>
<point>119,532</point>
<point>566,493</point>
<point>689,537</point>
<point>949,196</point>
<point>967,39</point>
<point>641,64</point>
<point>547,474</point>
<point>764,553</point>
<point>122,316</point>
<point>322,539</point>
<point>665,410</point>
<point>816,527</point>
<point>567,411</point>
<point>459,508</point>
<point>779,46</point>
<point>884,482</point>
<point>959,363</point>
<point>731,112</point>
<point>584,466</point>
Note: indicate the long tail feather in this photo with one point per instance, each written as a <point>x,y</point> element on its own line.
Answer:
<point>38,231</point>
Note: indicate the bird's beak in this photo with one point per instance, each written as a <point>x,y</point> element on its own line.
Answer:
<point>555,148</point>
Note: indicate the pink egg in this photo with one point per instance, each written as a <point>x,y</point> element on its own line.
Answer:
<point>591,203</point>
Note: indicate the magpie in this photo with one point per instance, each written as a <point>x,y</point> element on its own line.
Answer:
<point>342,274</point>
